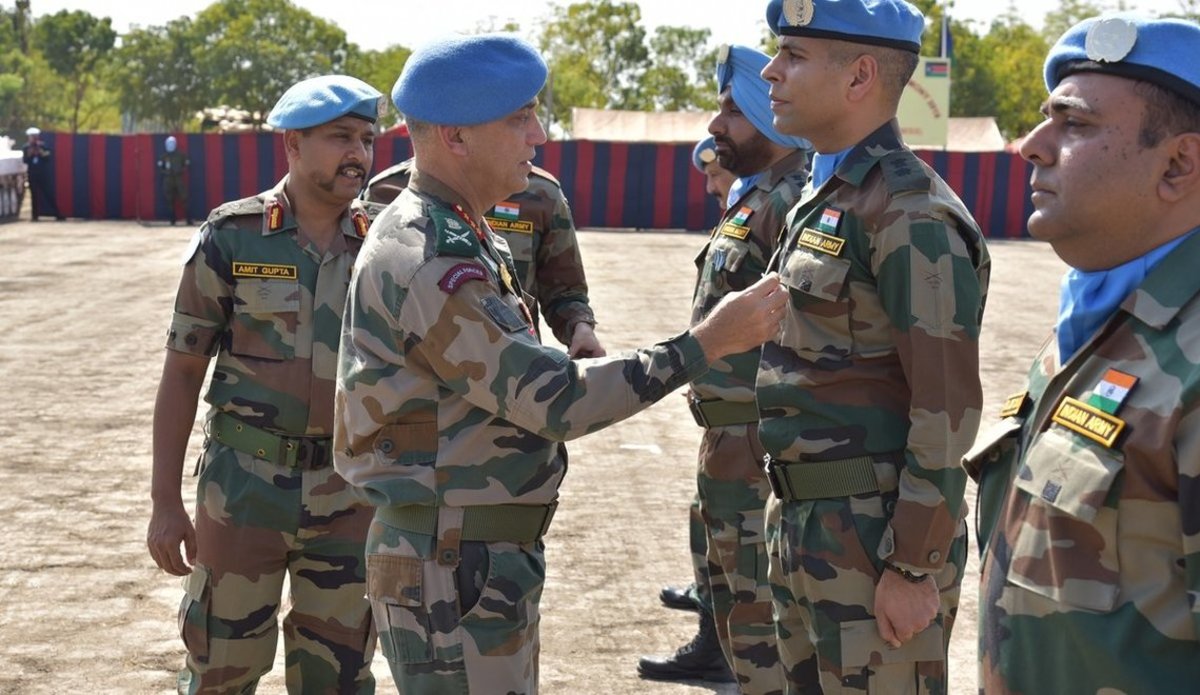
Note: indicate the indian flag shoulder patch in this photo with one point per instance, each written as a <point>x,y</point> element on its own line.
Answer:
<point>742,215</point>
<point>508,210</point>
<point>1110,393</point>
<point>830,219</point>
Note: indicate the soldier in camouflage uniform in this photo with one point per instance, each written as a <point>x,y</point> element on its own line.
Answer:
<point>772,170</point>
<point>263,289</point>
<point>695,596</point>
<point>171,167</point>
<point>537,226</point>
<point>1089,486</point>
<point>450,413</point>
<point>871,395</point>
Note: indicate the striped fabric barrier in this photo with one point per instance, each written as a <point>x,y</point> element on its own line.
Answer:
<point>609,184</point>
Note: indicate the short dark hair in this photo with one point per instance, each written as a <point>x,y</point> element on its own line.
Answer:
<point>896,66</point>
<point>1167,113</point>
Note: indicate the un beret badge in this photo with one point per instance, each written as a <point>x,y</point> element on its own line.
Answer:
<point>798,13</point>
<point>707,155</point>
<point>1110,40</point>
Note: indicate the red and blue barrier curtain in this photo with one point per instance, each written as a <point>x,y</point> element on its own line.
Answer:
<point>610,184</point>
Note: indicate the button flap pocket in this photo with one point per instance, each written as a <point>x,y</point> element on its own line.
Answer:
<point>998,442</point>
<point>862,645</point>
<point>195,583</point>
<point>394,579</point>
<point>1070,476</point>
<point>267,296</point>
<point>408,442</point>
<point>816,274</point>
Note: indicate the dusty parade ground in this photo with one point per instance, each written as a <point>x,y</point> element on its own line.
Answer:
<point>83,311</point>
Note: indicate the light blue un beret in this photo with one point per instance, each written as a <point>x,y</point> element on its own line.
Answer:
<point>322,99</point>
<point>740,68</point>
<point>891,23</point>
<point>704,153</point>
<point>467,80</point>
<point>1160,51</point>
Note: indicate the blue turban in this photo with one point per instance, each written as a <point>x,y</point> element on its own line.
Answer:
<point>704,153</point>
<point>740,68</point>
<point>467,80</point>
<point>323,99</point>
<point>891,23</point>
<point>1159,51</point>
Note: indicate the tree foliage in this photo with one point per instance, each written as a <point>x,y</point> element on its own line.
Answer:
<point>154,77</point>
<point>76,46</point>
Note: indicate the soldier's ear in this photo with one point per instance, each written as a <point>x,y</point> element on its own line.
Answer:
<point>291,143</point>
<point>452,138</point>
<point>1181,178</point>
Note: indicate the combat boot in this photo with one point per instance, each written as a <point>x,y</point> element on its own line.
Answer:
<point>698,660</point>
<point>681,598</point>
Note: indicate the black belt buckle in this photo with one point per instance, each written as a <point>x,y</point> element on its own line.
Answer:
<point>310,453</point>
<point>697,413</point>
<point>550,509</point>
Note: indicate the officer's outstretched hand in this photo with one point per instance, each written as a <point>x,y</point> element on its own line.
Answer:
<point>170,526</point>
<point>743,320</point>
<point>584,342</point>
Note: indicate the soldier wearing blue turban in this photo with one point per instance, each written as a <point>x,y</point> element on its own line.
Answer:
<point>735,628</point>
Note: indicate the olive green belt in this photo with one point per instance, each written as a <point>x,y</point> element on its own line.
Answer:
<point>815,480</point>
<point>517,523</point>
<point>306,453</point>
<point>721,413</point>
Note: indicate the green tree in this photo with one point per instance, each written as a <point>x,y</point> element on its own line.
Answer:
<point>75,45</point>
<point>155,77</point>
<point>681,73</point>
<point>380,70</point>
<point>581,73</point>
<point>251,51</point>
<point>1014,53</point>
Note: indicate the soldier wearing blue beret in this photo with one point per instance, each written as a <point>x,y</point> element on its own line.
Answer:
<point>450,412</point>
<point>872,394</point>
<point>1089,502</point>
<point>772,169</point>
<point>717,179</point>
<point>263,288</point>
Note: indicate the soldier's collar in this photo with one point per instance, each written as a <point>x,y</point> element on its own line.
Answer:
<point>797,159</point>
<point>278,216</point>
<point>1169,286</point>
<point>867,153</point>
<point>429,184</point>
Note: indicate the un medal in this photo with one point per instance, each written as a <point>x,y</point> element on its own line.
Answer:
<point>1109,40</point>
<point>798,13</point>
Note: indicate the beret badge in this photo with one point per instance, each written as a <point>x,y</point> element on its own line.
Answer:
<point>1109,40</point>
<point>798,13</point>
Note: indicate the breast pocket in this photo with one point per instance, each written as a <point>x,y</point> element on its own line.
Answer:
<point>819,320</point>
<point>264,319</point>
<point>1066,548</point>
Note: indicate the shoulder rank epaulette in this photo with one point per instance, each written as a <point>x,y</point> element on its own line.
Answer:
<point>236,208</point>
<point>540,172</point>
<point>454,236</point>
<point>902,172</point>
<point>370,209</point>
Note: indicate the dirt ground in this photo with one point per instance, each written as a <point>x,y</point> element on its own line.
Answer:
<point>83,310</point>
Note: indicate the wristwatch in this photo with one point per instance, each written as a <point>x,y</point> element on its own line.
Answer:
<point>911,577</point>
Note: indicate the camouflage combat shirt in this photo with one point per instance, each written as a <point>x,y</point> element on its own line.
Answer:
<point>735,257</point>
<point>1089,506</point>
<point>445,396</point>
<point>879,352</point>
<point>258,295</point>
<point>539,230</point>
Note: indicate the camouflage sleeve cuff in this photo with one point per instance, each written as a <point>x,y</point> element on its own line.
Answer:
<point>193,335</point>
<point>564,319</point>
<point>694,361</point>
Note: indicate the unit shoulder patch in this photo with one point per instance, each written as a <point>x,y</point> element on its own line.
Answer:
<point>454,236</point>
<point>904,173</point>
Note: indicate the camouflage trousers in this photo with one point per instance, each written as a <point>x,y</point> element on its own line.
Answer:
<point>824,568</point>
<point>469,627</point>
<point>257,522</point>
<point>698,544</point>
<point>733,490</point>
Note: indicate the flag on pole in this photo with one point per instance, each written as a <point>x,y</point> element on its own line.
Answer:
<point>946,49</point>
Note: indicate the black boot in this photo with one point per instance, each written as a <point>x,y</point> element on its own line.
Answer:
<point>698,660</point>
<point>682,598</point>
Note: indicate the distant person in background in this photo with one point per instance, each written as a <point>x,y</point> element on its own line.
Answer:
<point>771,170</point>
<point>695,596</point>
<point>171,167</point>
<point>41,176</point>
<point>717,179</point>
<point>537,226</point>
